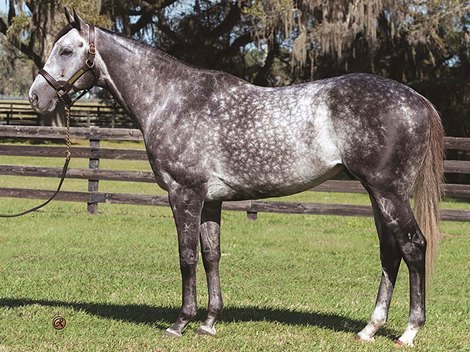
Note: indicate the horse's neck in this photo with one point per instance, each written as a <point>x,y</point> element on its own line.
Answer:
<point>141,78</point>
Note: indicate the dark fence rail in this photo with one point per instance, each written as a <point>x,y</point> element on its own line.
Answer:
<point>94,174</point>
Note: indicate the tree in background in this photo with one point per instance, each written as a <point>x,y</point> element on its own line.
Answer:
<point>424,43</point>
<point>15,68</point>
<point>31,26</point>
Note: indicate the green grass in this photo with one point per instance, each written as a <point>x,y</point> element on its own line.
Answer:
<point>290,282</point>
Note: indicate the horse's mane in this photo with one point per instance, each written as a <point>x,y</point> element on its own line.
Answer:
<point>140,43</point>
<point>158,52</point>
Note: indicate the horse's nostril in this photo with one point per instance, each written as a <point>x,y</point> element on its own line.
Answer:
<point>34,99</point>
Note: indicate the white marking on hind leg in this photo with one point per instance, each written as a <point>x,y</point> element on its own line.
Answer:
<point>379,315</point>
<point>367,334</point>
<point>377,320</point>
<point>408,336</point>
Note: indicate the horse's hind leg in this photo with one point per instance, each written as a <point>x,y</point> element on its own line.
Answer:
<point>390,258</point>
<point>210,249</point>
<point>399,219</point>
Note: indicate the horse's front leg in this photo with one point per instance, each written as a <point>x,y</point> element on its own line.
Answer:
<point>186,205</point>
<point>210,249</point>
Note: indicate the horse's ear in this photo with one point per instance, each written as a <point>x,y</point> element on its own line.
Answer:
<point>78,22</point>
<point>67,15</point>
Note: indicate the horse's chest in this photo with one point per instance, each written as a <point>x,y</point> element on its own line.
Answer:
<point>176,158</point>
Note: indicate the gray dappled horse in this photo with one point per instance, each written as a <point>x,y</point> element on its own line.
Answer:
<point>212,137</point>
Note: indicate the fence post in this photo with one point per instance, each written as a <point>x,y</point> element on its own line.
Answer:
<point>251,213</point>
<point>113,116</point>
<point>93,164</point>
<point>9,114</point>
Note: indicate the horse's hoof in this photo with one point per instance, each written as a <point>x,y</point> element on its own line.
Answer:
<point>400,343</point>
<point>205,331</point>
<point>172,333</point>
<point>364,338</point>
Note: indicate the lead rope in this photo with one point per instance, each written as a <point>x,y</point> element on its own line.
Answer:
<point>68,156</point>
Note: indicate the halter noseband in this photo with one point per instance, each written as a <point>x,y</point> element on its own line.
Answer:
<point>62,87</point>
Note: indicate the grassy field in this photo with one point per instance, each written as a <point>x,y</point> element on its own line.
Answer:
<point>290,282</point>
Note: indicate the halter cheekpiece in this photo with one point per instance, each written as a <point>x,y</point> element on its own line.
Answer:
<point>62,87</point>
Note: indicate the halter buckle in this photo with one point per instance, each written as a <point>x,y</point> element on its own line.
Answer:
<point>92,49</point>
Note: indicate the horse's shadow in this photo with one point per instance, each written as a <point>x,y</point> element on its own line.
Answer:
<point>162,317</point>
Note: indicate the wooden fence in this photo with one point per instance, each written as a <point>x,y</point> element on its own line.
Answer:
<point>94,174</point>
<point>84,114</point>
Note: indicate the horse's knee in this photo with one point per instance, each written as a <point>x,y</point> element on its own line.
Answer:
<point>188,259</point>
<point>211,255</point>
<point>210,248</point>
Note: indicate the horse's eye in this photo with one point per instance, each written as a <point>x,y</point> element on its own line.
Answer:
<point>66,52</point>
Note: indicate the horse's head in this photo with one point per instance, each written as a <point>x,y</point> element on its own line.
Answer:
<point>69,67</point>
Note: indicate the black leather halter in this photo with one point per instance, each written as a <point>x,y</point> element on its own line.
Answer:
<point>62,87</point>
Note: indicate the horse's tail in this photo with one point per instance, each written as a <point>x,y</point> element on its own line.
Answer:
<point>427,188</point>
